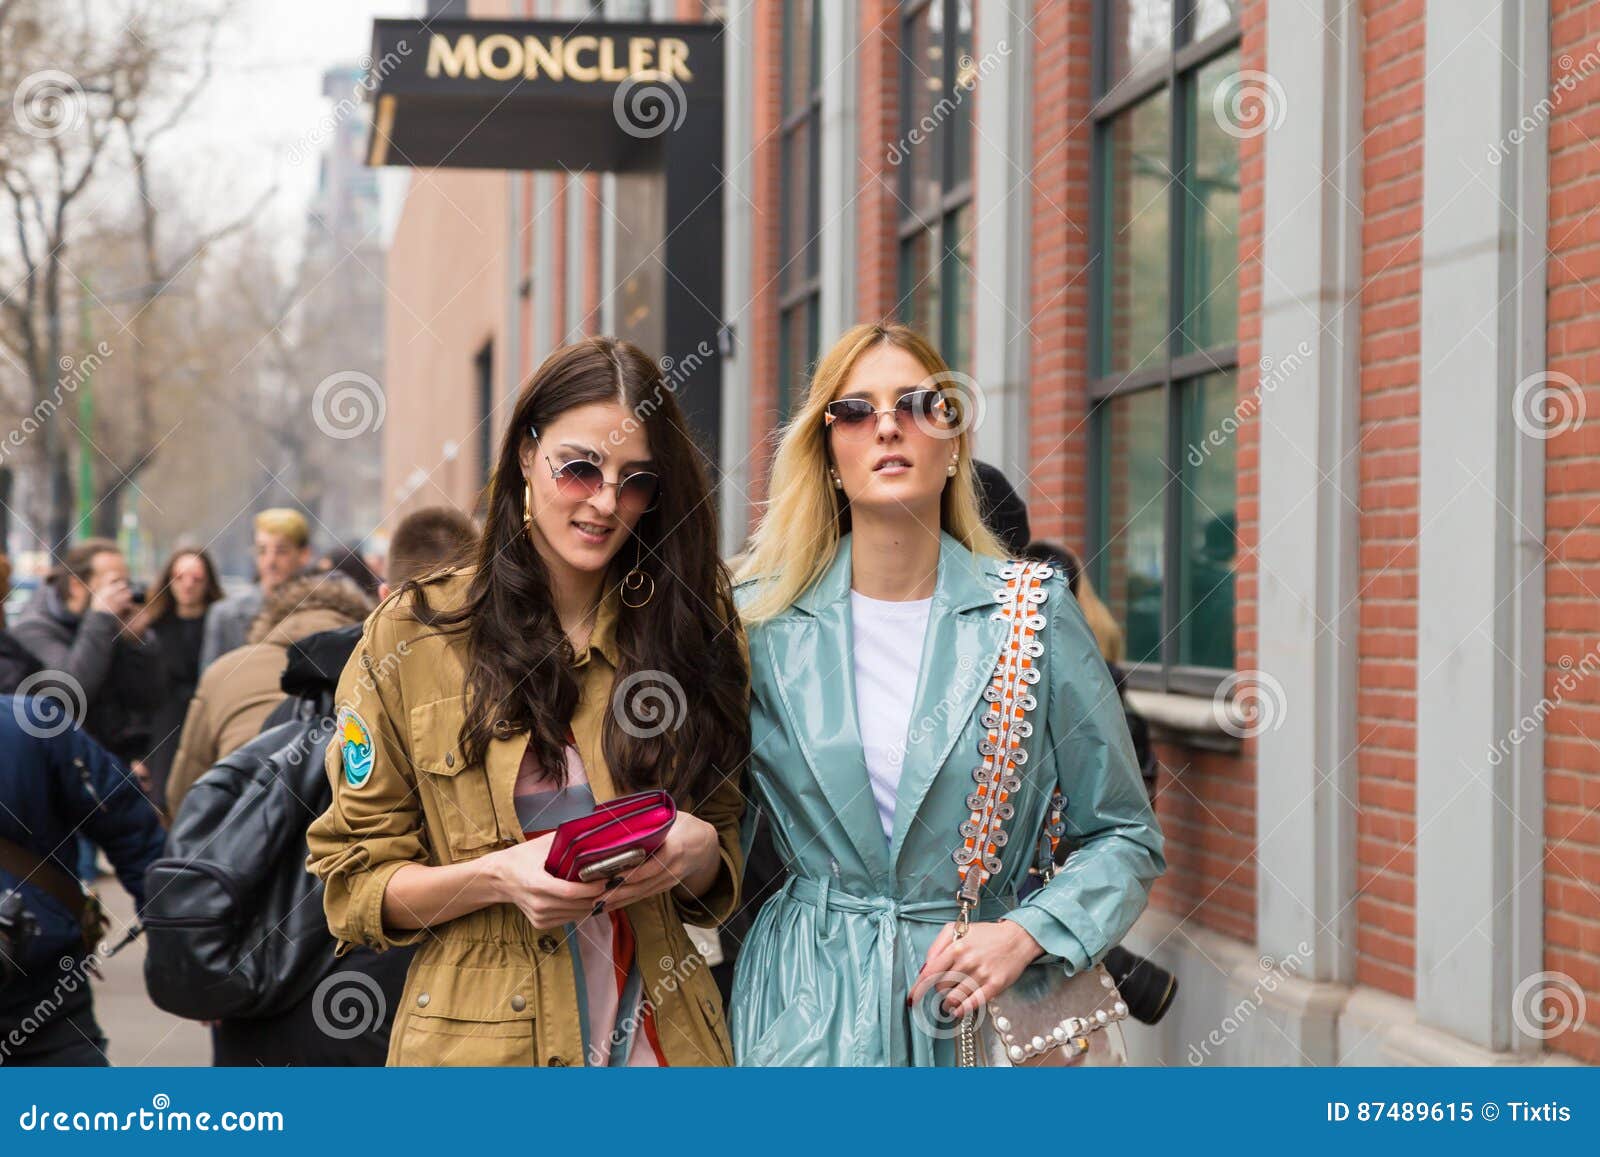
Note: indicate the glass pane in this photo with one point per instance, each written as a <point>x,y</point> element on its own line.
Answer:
<point>1211,209</point>
<point>797,354</point>
<point>798,235</point>
<point>1209,522</point>
<point>966,76</point>
<point>923,63</point>
<point>956,340</point>
<point>919,285</point>
<point>1211,15</point>
<point>799,61</point>
<point>1134,269</point>
<point>1132,444</point>
<point>1140,32</point>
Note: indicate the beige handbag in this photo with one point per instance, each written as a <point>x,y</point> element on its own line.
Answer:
<point>1047,1017</point>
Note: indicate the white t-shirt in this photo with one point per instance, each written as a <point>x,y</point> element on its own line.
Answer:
<point>887,648</point>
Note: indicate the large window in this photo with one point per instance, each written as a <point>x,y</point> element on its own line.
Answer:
<point>935,158</point>
<point>1163,334</point>
<point>799,278</point>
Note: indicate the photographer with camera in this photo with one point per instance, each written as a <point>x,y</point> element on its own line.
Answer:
<point>56,784</point>
<point>86,623</point>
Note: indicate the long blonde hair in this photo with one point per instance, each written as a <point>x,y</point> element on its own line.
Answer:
<point>800,530</point>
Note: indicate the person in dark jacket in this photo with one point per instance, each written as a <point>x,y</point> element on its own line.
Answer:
<point>55,781</point>
<point>84,625</point>
<point>176,614</point>
<point>17,663</point>
<point>318,1030</point>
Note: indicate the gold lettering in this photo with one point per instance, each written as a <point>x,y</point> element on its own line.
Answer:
<point>608,64</point>
<point>464,59</point>
<point>675,58</point>
<point>583,72</point>
<point>640,51</point>
<point>542,57</point>
<point>500,42</point>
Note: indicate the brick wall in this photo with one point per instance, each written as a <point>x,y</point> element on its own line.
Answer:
<point>1391,243</point>
<point>1572,511</point>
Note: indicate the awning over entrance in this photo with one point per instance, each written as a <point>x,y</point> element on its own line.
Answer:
<point>591,95</point>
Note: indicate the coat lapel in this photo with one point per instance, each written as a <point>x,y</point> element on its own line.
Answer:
<point>814,637</point>
<point>959,652</point>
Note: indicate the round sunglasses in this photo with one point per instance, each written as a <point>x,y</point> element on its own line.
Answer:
<point>638,493</point>
<point>927,408</point>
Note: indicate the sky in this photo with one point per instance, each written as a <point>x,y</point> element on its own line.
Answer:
<point>258,124</point>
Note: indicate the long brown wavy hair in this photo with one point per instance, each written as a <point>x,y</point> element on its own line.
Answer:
<point>684,641</point>
<point>162,603</point>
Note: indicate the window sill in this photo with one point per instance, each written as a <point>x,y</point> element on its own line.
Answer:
<point>1191,720</point>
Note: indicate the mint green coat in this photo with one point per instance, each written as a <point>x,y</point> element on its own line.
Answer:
<point>823,976</point>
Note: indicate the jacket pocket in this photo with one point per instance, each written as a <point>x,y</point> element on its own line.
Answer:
<point>456,796</point>
<point>795,1037</point>
<point>467,1016</point>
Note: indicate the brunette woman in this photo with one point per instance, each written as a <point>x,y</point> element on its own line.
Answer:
<point>592,650</point>
<point>176,615</point>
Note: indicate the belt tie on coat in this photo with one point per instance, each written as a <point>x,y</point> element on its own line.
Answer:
<point>892,950</point>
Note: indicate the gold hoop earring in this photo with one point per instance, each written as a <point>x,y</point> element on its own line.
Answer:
<point>527,503</point>
<point>636,580</point>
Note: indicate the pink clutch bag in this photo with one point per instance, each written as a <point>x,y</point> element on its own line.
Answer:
<point>619,834</point>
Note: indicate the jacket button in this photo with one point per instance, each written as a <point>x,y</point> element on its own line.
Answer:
<point>518,1003</point>
<point>547,944</point>
<point>422,1000</point>
<point>449,759</point>
<point>711,1009</point>
<point>557,1062</point>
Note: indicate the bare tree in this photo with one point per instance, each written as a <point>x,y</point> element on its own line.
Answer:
<point>97,87</point>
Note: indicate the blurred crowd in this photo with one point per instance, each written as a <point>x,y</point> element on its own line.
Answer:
<point>122,695</point>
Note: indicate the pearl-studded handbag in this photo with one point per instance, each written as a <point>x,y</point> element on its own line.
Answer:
<point>1047,1017</point>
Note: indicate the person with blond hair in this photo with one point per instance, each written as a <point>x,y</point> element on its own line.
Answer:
<point>282,549</point>
<point>875,602</point>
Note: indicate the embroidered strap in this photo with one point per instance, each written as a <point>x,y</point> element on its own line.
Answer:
<point>1006,725</point>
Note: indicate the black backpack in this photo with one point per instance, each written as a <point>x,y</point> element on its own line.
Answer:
<point>234,925</point>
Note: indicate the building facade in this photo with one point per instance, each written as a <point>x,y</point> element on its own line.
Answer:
<point>1280,311</point>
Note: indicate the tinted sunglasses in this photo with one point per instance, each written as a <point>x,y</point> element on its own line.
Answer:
<point>930,409</point>
<point>582,478</point>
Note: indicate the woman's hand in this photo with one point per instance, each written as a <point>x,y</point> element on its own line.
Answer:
<point>976,968</point>
<point>687,860</point>
<point>547,901</point>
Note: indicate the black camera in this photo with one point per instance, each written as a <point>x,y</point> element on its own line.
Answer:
<point>17,929</point>
<point>1146,987</point>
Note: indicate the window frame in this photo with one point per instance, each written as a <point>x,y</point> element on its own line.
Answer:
<point>1176,371</point>
<point>804,295</point>
<point>938,224</point>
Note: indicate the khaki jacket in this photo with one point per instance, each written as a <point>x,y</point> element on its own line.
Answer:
<point>488,988</point>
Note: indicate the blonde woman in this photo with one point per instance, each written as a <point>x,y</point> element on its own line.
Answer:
<point>869,596</point>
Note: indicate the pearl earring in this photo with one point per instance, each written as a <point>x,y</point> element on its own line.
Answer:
<point>838,483</point>
<point>954,458</point>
